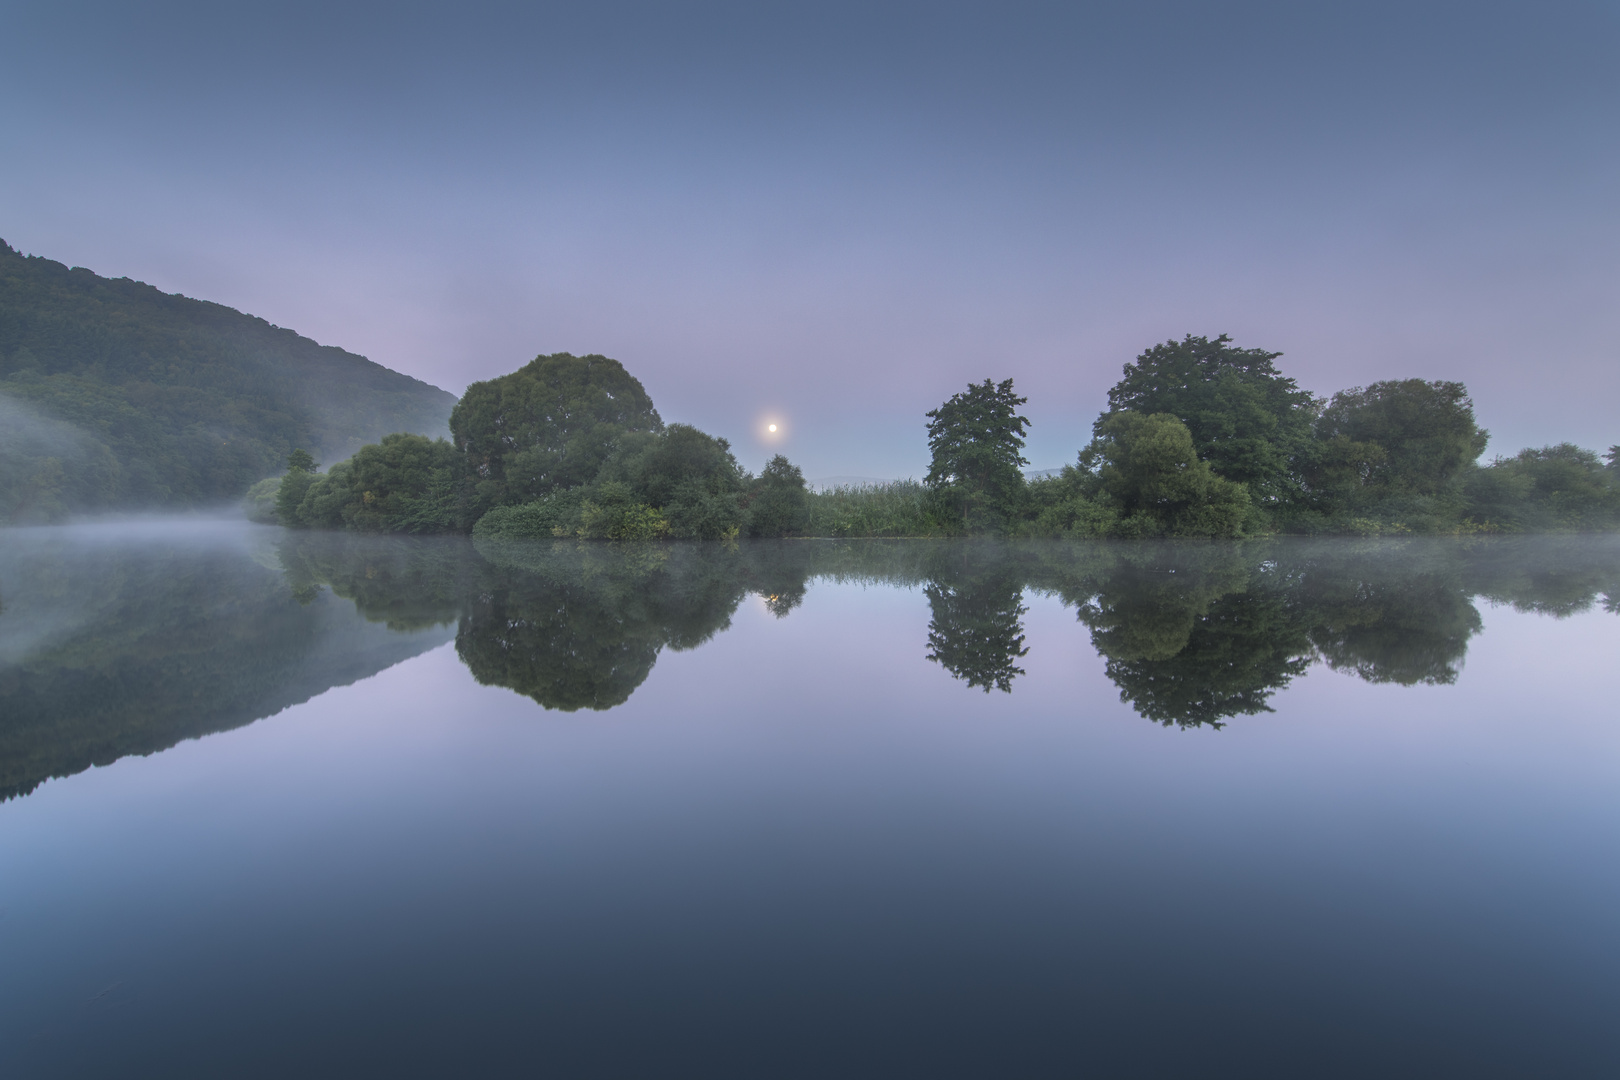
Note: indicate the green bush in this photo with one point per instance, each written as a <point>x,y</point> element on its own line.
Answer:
<point>259,504</point>
<point>1146,469</point>
<point>406,483</point>
<point>778,502</point>
<point>1559,488</point>
<point>614,513</point>
<point>556,515</point>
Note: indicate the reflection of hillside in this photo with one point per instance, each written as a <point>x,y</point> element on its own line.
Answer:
<point>142,645</point>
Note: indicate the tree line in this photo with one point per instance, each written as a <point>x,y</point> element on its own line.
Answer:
<point>1201,438</point>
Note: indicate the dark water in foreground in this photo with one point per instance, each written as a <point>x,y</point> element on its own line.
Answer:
<point>285,804</point>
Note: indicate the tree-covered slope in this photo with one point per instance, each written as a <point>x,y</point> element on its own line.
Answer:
<point>114,395</point>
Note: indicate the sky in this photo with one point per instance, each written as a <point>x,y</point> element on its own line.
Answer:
<point>835,216</point>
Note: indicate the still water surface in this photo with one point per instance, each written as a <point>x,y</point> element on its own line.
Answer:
<point>288,804</point>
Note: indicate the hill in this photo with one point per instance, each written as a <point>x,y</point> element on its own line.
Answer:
<point>117,396</point>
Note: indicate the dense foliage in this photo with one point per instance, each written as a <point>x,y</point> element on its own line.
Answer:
<point>567,446</point>
<point>1396,456</point>
<point>977,442</point>
<point>114,395</point>
<point>1141,477</point>
<point>1201,439</point>
<point>1249,422</point>
<point>549,425</point>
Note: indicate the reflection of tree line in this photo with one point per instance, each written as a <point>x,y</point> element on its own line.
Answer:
<point>1190,633</point>
<point>158,647</point>
<point>1193,634</point>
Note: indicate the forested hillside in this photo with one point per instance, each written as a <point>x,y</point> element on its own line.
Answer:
<point>114,395</point>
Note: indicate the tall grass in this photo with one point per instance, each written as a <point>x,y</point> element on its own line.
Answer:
<point>900,508</point>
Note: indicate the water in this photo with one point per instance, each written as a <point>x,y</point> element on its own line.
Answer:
<point>291,804</point>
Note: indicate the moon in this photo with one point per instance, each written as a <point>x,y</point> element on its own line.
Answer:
<point>772,429</point>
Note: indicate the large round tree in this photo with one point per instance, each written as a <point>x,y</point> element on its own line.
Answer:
<point>1249,421</point>
<point>550,424</point>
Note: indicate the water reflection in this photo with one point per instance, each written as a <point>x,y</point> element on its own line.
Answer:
<point>113,648</point>
<point>977,630</point>
<point>114,645</point>
<point>1192,634</point>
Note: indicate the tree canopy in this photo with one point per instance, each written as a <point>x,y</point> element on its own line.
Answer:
<point>551,424</point>
<point>1250,422</point>
<point>977,442</point>
<point>1425,431</point>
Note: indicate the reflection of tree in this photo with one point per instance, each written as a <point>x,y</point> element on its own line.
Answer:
<point>1401,631</point>
<point>107,651</point>
<point>977,629</point>
<point>1557,576</point>
<point>580,625</point>
<point>561,646</point>
<point>1193,635</point>
<point>977,632</point>
<point>407,583</point>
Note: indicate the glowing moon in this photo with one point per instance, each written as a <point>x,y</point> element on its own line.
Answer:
<point>772,429</point>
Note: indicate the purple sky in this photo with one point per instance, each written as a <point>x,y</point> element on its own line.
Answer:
<point>838,217</point>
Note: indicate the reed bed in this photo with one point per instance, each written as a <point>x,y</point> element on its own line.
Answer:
<point>898,509</point>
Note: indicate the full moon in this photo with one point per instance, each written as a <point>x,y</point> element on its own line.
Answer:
<point>773,427</point>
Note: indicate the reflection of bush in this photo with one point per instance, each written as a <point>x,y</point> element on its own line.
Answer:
<point>406,583</point>
<point>560,645</point>
<point>1557,576</point>
<point>580,625</point>
<point>1403,624</point>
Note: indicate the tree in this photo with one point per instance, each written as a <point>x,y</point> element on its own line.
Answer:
<point>1250,422</point>
<point>405,483</point>
<point>1425,430</point>
<point>1553,487</point>
<point>692,478</point>
<point>1147,468</point>
<point>977,439</point>
<point>295,486</point>
<point>549,425</point>
<point>778,504</point>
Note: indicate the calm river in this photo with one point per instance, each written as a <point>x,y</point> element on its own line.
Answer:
<point>286,804</point>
